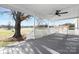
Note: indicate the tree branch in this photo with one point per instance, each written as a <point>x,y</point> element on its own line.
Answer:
<point>14,14</point>
<point>24,17</point>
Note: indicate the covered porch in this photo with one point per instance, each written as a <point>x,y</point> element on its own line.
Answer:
<point>46,38</point>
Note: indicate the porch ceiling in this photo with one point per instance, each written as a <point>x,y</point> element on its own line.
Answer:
<point>46,11</point>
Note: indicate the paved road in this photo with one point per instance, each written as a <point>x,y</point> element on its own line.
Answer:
<point>51,44</point>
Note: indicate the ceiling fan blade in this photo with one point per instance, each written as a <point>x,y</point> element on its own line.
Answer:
<point>63,13</point>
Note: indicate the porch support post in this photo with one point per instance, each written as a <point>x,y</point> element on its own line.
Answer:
<point>34,28</point>
<point>77,26</point>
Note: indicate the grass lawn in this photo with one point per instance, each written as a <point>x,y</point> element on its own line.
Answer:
<point>5,34</point>
<point>3,44</point>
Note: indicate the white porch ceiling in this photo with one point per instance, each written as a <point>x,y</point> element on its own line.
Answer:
<point>46,11</point>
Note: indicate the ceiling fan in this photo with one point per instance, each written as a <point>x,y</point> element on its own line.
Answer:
<point>59,12</point>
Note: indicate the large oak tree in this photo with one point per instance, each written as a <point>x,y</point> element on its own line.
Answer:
<point>18,17</point>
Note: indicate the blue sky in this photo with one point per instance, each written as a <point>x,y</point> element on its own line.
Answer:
<point>6,18</point>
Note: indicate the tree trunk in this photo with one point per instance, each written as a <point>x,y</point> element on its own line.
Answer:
<point>18,17</point>
<point>17,34</point>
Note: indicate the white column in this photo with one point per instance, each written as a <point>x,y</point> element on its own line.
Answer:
<point>54,29</point>
<point>34,28</point>
<point>48,28</point>
<point>76,26</point>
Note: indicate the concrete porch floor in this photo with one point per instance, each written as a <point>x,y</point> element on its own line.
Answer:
<point>52,44</point>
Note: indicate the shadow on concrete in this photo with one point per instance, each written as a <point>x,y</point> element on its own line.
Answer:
<point>52,44</point>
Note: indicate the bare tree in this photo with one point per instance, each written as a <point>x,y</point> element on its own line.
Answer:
<point>18,17</point>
